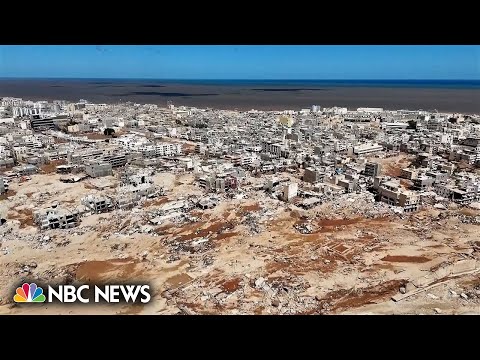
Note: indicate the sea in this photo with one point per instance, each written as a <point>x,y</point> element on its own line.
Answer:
<point>456,96</point>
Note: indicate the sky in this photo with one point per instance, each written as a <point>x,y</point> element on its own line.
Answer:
<point>314,62</point>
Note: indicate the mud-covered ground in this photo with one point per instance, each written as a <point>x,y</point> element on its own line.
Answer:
<point>244,256</point>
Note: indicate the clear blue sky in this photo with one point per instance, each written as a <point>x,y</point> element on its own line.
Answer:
<point>242,62</point>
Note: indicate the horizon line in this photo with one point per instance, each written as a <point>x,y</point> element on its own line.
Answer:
<point>225,79</point>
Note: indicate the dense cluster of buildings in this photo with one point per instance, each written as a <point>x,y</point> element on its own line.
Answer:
<point>324,151</point>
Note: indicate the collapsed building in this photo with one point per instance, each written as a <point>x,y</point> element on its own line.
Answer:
<point>98,204</point>
<point>55,218</point>
<point>207,203</point>
<point>130,195</point>
<point>136,178</point>
<point>345,182</point>
<point>221,182</point>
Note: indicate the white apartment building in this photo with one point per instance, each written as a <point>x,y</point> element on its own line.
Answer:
<point>340,110</point>
<point>241,159</point>
<point>370,110</point>
<point>10,101</point>
<point>168,149</point>
<point>367,149</point>
<point>247,160</point>
<point>20,151</point>
<point>394,125</point>
<point>340,146</point>
<point>158,149</point>
<point>290,191</point>
<point>26,111</point>
<point>446,139</point>
<point>32,141</point>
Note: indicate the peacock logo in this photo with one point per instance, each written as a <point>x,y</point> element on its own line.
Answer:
<point>29,293</point>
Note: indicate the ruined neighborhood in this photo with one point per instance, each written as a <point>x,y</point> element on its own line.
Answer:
<point>311,211</point>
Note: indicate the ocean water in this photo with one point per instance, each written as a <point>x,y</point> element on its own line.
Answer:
<point>425,84</point>
<point>442,95</point>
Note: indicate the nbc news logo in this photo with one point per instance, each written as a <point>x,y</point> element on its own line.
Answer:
<point>31,293</point>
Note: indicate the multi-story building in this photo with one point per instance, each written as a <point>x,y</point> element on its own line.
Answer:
<point>312,175</point>
<point>463,196</point>
<point>98,204</point>
<point>370,110</point>
<point>273,148</point>
<point>372,169</point>
<point>81,157</point>
<point>42,123</point>
<point>368,148</point>
<point>422,183</point>
<point>409,173</point>
<point>25,111</point>
<point>98,169</point>
<point>408,200</point>
<point>290,190</point>
<point>168,149</point>
<point>206,182</point>
<point>391,193</point>
<point>115,159</point>
<point>54,218</point>
<point>437,176</point>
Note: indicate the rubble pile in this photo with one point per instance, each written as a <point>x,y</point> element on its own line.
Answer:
<point>311,211</point>
<point>473,294</point>
<point>304,228</point>
<point>474,220</point>
<point>251,222</point>
<point>193,246</point>
<point>354,205</point>
<point>281,296</point>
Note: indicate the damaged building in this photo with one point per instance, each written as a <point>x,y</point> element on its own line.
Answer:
<point>391,192</point>
<point>55,218</point>
<point>96,169</point>
<point>98,204</point>
<point>130,195</point>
